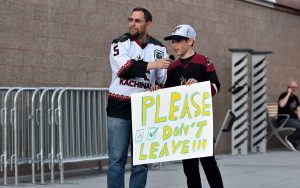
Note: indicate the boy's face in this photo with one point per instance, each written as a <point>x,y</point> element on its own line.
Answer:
<point>182,46</point>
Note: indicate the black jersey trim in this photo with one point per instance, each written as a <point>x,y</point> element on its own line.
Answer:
<point>121,38</point>
<point>155,41</point>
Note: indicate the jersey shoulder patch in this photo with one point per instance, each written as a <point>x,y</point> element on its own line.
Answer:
<point>122,38</point>
<point>208,61</point>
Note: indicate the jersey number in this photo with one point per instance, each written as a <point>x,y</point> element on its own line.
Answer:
<point>116,50</point>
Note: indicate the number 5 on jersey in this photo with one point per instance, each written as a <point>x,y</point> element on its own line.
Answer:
<point>116,50</point>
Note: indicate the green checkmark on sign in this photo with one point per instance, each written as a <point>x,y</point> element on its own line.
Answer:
<point>152,133</point>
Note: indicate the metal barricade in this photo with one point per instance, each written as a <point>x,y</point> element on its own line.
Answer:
<point>47,130</point>
<point>51,126</point>
<point>7,132</point>
<point>82,126</point>
<point>21,122</point>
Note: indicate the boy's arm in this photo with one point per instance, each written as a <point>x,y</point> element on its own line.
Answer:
<point>212,77</point>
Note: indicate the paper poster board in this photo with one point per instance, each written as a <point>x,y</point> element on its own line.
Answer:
<point>172,124</point>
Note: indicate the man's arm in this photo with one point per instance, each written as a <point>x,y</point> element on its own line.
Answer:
<point>298,112</point>
<point>282,102</point>
<point>159,64</point>
<point>128,68</point>
<point>161,74</point>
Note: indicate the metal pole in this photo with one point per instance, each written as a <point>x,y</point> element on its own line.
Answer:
<point>83,125</point>
<point>89,122</point>
<point>34,121</point>
<point>60,127</point>
<point>53,132</point>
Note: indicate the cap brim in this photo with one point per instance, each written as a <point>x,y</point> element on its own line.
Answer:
<point>175,37</point>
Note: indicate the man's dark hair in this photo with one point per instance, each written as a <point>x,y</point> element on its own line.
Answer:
<point>147,13</point>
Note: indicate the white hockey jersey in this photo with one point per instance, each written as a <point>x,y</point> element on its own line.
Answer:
<point>129,61</point>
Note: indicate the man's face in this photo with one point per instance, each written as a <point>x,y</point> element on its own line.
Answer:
<point>181,46</point>
<point>293,86</point>
<point>137,24</point>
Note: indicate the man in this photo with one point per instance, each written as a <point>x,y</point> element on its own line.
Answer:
<point>288,103</point>
<point>138,62</point>
<point>191,68</point>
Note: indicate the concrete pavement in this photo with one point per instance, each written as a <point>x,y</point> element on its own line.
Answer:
<point>276,169</point>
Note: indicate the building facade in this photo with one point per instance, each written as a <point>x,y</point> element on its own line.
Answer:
<point>66,42</point>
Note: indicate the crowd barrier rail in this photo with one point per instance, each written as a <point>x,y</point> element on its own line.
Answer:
<point>50,126</point>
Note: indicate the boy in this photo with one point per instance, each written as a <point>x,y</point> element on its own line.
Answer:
<point>191,68</point>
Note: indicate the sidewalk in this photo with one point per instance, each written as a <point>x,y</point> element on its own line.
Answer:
<point>276,169</point>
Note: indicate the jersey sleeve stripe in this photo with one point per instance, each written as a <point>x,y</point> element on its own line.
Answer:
<point>125,67</point>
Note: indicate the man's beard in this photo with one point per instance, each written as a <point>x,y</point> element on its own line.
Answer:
<point>137,35</point>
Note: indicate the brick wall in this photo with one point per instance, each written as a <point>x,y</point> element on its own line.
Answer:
<point>66,42</point>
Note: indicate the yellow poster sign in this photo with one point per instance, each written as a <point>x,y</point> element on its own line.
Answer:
<point>172,124</point>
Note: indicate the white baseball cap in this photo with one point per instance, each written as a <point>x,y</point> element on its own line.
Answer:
<point>182,32</point>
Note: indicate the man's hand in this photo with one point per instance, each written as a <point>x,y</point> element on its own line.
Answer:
<point>284,101</point>
<point>154,87</point>
<point>159,64</point>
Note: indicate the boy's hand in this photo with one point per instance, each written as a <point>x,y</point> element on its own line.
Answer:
<point>191,81</point>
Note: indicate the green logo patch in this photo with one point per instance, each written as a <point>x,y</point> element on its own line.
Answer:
<point>158,54</point>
